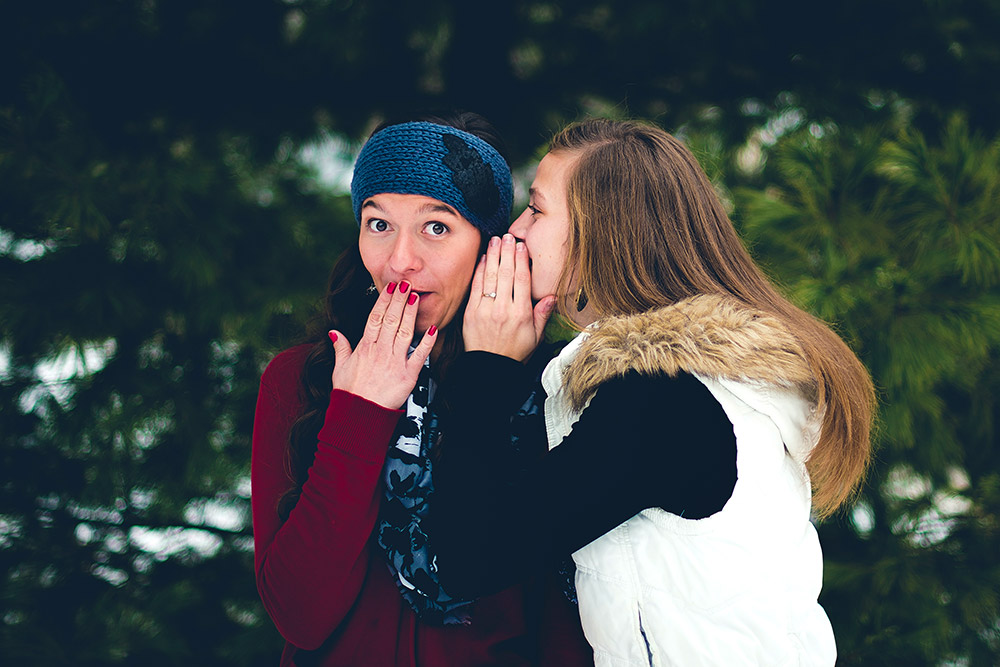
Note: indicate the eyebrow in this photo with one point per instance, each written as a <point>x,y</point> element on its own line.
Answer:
<point>426,208</point>
<point>535,193</point>
<point>438,208</point>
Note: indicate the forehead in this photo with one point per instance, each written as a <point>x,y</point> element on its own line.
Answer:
<point>410,204</point>
<point>553,173</point>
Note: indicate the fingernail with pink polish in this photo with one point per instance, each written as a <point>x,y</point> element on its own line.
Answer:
<point>391,288</point>
<point>403,286</point>
<point>432,330</point>
<point>412,299</point>
<point>333,337</point>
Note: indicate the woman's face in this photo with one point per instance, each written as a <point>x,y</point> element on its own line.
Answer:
<point>425,242</point>
<point>545,225</point>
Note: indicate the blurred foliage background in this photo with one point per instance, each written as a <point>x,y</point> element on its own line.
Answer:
<point>172,196</point>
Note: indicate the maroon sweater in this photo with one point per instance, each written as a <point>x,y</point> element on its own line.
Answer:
<point>323,578</point>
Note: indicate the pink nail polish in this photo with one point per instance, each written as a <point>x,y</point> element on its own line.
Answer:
<point>391,288</point>
<point>412,299</point>
<point>432,330</point>
<point>403,286</point>
<point>333,337</point>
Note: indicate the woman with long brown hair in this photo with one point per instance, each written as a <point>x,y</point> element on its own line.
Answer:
<point>346,424</point>
<point>693,425</point>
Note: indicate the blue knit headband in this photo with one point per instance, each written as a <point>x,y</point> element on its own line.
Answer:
<point>438,161</point>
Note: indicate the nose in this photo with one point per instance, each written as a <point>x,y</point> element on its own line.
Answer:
<point>520,226</point>
<point>405,257</point>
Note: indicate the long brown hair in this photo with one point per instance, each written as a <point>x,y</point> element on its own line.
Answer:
<point>648,230</point>
<point>347,305</point>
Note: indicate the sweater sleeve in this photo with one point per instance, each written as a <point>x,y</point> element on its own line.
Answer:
<point>644,441</point>
<point>310,568</point>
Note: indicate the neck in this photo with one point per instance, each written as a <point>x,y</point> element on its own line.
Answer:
<point>581,318</point>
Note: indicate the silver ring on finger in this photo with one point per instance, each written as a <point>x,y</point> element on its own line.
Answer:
<point>490,295</point>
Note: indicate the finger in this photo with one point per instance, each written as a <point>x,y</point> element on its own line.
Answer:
<point>476,298</point>
<point>476,288</point>
<point>341,347</point>
<point>394,313</point>
<point>543,309</point>
<point>492,265</point>
<point>407,323</point>
<point>505,271</point>
<point>374,323</point>
<point>422,350</point>
<point>522,277</point>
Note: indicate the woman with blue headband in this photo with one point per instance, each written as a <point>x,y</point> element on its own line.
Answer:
<point>346,424</point>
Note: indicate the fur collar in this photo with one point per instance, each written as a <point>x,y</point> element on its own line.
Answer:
<point>709,334</point>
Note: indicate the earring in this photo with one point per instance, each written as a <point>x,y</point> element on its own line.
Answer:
<point>371,289</point>
<point>581,299</point>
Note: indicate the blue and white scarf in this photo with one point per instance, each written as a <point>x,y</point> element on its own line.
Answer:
<point>408,489</point>
<point>407,474</point>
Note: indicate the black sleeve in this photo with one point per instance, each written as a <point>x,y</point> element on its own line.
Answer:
<point>644,441</point>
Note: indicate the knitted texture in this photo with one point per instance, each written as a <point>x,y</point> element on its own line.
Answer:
<point>438,161</point>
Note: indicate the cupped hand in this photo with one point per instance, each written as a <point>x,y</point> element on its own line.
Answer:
<point>379,369</point>
<point>499,317</point>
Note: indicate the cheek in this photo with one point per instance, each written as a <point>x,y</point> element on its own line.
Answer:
<point>456,278</point>
<point>547,264</point>
<point>373,260</point>
<point>459,278</point>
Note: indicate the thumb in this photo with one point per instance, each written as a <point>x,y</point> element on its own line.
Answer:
<point>541,312</point>
<point>341,346</point>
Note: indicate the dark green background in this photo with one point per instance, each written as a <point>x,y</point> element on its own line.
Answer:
<point>156,219</point>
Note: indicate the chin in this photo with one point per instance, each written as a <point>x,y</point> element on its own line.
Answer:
<point>424,322</point>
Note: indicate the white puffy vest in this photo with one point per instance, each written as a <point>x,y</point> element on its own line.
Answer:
<point>737,588</point>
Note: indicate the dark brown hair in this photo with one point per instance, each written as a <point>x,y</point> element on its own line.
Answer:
<point>647,230</point>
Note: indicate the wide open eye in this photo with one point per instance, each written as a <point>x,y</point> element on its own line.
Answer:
<point>436,228</point>
<point>377,225</point>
